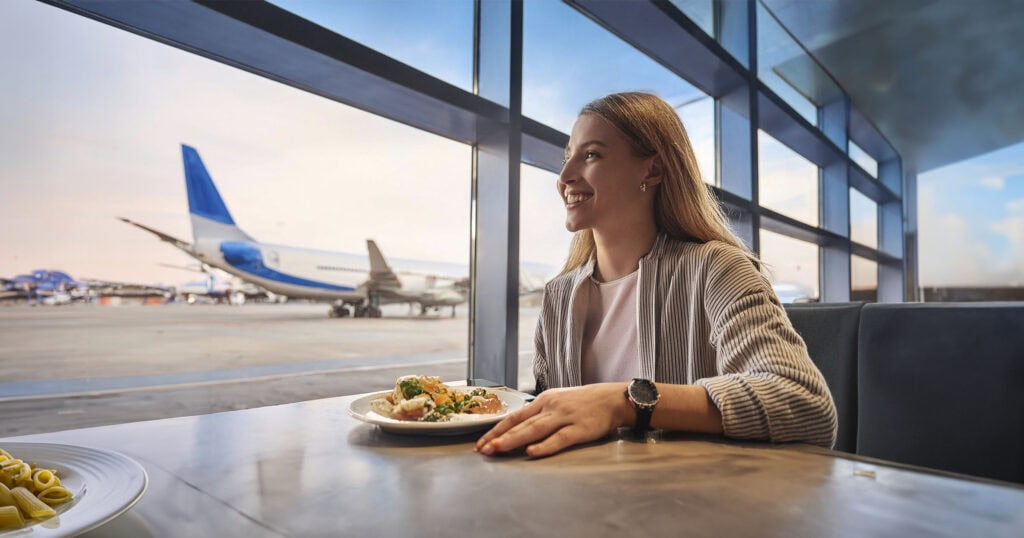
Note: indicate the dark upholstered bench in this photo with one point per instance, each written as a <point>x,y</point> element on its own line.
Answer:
<point>830,331</point>
<point>935,385</point>
<point>942,386</point>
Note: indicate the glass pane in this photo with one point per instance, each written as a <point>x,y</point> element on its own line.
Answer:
<point>862,158</point>
<point>560,76</point>
<point>93,121</point>
<point>784,66</point>
<point>699,119</point>
<point>863,279</point>
<point>863,219</point>
<point>434,36</point>
<point>543,246</point>
<point>701,12</point>
<point>792,267</point>
<point>788,182</point>
<point>971,225</point>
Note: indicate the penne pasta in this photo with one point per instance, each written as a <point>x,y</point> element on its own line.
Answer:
<point>27,492</point>
<point>6,499</point>
<point>30,504</point>
<point>10,518</point>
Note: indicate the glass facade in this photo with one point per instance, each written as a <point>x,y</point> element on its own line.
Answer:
<point>317,143</point>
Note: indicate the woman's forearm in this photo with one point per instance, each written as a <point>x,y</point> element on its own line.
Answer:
<point>686,408</point>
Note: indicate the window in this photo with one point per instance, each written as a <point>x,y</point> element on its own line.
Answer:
<point>862,158</point>
<point>863,219</point>
<point>543,247</point>
<point>568,61</point>
<point>863,279</point>
<point>788,182</point>
<point>434,36</point>
<point>784,66</point>
<point>701,12</point>
<point>94,118</point>
<point>792,267</point>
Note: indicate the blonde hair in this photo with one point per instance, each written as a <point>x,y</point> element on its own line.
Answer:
<point>685,208</point>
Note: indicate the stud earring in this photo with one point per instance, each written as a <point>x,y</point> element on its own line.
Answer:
<point>643,187</point>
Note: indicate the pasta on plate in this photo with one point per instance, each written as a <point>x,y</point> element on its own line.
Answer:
<point>27,492</point>
<point>426,399</point>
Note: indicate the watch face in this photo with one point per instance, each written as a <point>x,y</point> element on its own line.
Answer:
<point>643,391</point>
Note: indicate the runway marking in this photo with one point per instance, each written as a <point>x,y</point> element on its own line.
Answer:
<point>63,388</point>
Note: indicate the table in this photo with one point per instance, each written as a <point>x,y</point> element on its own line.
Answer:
<point>308,469</point>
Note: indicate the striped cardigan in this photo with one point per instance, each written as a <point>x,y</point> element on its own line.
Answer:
<point>705,316</point>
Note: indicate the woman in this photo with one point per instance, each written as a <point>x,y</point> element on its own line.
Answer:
<point>657,289</point>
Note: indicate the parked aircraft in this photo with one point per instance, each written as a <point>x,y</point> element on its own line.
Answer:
<point>44,286</point>
<point>357,285</point>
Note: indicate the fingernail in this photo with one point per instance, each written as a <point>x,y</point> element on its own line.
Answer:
<point>488,449</point>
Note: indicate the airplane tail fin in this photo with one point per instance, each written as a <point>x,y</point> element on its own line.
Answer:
<point>210,217</point>
<point>380,273</point>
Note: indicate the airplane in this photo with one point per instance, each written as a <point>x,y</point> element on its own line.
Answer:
<point>354,286</point>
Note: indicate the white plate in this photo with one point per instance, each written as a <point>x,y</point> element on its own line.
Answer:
<point>460,424</point>
<point>103,485</point>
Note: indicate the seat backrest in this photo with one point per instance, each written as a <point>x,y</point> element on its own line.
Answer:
<point>830,332</point>
<point>942,386</point>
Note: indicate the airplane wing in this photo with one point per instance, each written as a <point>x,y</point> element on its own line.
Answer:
<point>182,245</point>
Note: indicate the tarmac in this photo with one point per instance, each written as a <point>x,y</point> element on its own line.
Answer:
<point>77,366</point>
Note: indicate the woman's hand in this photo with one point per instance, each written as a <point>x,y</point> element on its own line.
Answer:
<point>560,418</point>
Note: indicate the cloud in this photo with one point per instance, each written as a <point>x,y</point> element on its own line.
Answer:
<point>1015,206</point>
<point>955,249</point>
<point>995,183</point>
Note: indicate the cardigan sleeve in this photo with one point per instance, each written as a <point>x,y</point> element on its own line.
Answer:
<point>540,361</point>
<point>766,387</point>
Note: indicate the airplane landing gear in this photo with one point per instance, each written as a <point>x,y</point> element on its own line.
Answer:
<point>368,311</point>
<point>338,311</point>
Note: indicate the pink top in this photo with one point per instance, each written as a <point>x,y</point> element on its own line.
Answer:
<point>610,350</point>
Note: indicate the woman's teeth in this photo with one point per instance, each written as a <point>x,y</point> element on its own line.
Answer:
<point>576,198</point>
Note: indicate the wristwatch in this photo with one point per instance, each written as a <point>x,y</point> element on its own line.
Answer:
<point>643,396</point>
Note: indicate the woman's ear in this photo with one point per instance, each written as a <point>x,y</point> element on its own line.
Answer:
<point>655,171</point>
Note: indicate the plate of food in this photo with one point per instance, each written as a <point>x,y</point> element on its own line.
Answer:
<point>63,490</point>
<point>423,405</point>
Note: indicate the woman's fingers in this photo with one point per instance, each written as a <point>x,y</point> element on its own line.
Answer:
<point>508,423</point>
<point>532,429</point>
<point>560,440</point>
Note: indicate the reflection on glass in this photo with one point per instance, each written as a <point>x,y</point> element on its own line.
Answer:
<point>87,139</point>
<point>792,267</point>
<point>568,61</point>
<point>701,12</point>
<point>788,182</point>
<point>862,158</point>
<point>863,279</point>
<point>543,246</point>
<point>863,219</point>
<point>434,36</point>
<point>784,66</point>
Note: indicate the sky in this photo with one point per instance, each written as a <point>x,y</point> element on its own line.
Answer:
<point>94,117</point>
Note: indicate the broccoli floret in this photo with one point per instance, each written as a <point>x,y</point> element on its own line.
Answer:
<point>410,388</point>
<point>478,392</point>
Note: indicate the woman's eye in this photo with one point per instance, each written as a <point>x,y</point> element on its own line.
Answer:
<point>591,154</point>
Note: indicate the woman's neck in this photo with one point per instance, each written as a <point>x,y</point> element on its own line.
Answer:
<point>619,251</point>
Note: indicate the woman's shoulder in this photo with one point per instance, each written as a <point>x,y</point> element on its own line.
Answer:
<point>562,282</point>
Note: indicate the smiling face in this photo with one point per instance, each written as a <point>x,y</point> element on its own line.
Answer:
<point>600,181</point>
